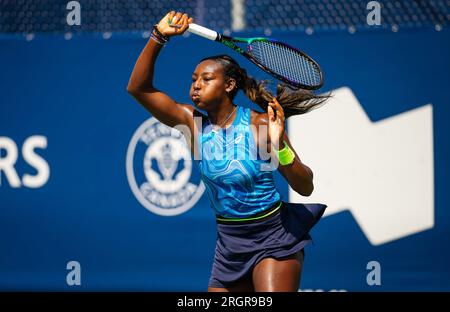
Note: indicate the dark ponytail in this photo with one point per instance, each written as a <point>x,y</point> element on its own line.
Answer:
<point>293,101</point>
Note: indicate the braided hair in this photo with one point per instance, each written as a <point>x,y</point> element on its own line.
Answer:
<point>294,102</point>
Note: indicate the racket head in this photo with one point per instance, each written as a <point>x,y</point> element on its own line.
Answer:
<point>285,62</point>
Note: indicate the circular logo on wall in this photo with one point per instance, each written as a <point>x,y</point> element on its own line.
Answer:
<point>159,169</point>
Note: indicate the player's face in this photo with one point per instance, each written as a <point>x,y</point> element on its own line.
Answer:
<point>208,86</point>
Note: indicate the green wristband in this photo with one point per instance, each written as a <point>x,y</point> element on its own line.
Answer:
<point>286,156</point>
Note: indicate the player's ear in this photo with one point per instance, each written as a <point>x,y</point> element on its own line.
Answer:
<point>231,84</point>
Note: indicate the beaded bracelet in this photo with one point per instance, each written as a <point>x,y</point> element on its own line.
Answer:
<point>159,35</point>
<point>157,40</point>
<point>160,39</point>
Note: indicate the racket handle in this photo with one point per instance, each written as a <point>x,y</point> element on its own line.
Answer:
<point>202,31</point>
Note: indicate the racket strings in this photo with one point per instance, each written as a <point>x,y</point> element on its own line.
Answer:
<point>286,62</point>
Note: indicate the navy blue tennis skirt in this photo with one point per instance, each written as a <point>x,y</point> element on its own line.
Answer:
<point>240,246</point>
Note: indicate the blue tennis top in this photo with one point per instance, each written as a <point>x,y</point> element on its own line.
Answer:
<point>231,169</point>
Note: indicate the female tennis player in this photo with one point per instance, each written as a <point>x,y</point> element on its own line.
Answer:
<point>260,238</point>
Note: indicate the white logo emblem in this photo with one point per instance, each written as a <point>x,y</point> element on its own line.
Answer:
<point>159,169</point>
<point>381,171</point>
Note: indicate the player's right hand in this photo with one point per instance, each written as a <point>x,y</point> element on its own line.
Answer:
<point>174,23</point>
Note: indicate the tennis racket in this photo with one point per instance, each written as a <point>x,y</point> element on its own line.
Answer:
<point>280,60</point>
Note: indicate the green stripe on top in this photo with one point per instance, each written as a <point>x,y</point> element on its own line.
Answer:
<point>254,218</point>
<point>250,40</point>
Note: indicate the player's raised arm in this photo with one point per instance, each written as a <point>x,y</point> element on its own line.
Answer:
<point>141,83</point>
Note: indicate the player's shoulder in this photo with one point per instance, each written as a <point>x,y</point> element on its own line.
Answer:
<point>188,108</point>
<point>259,118</point>
<point>191,110</point>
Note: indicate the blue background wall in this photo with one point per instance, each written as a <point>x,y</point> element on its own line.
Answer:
<point>74,93</point>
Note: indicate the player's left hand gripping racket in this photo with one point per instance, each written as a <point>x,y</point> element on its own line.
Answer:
<point>282,61</point>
